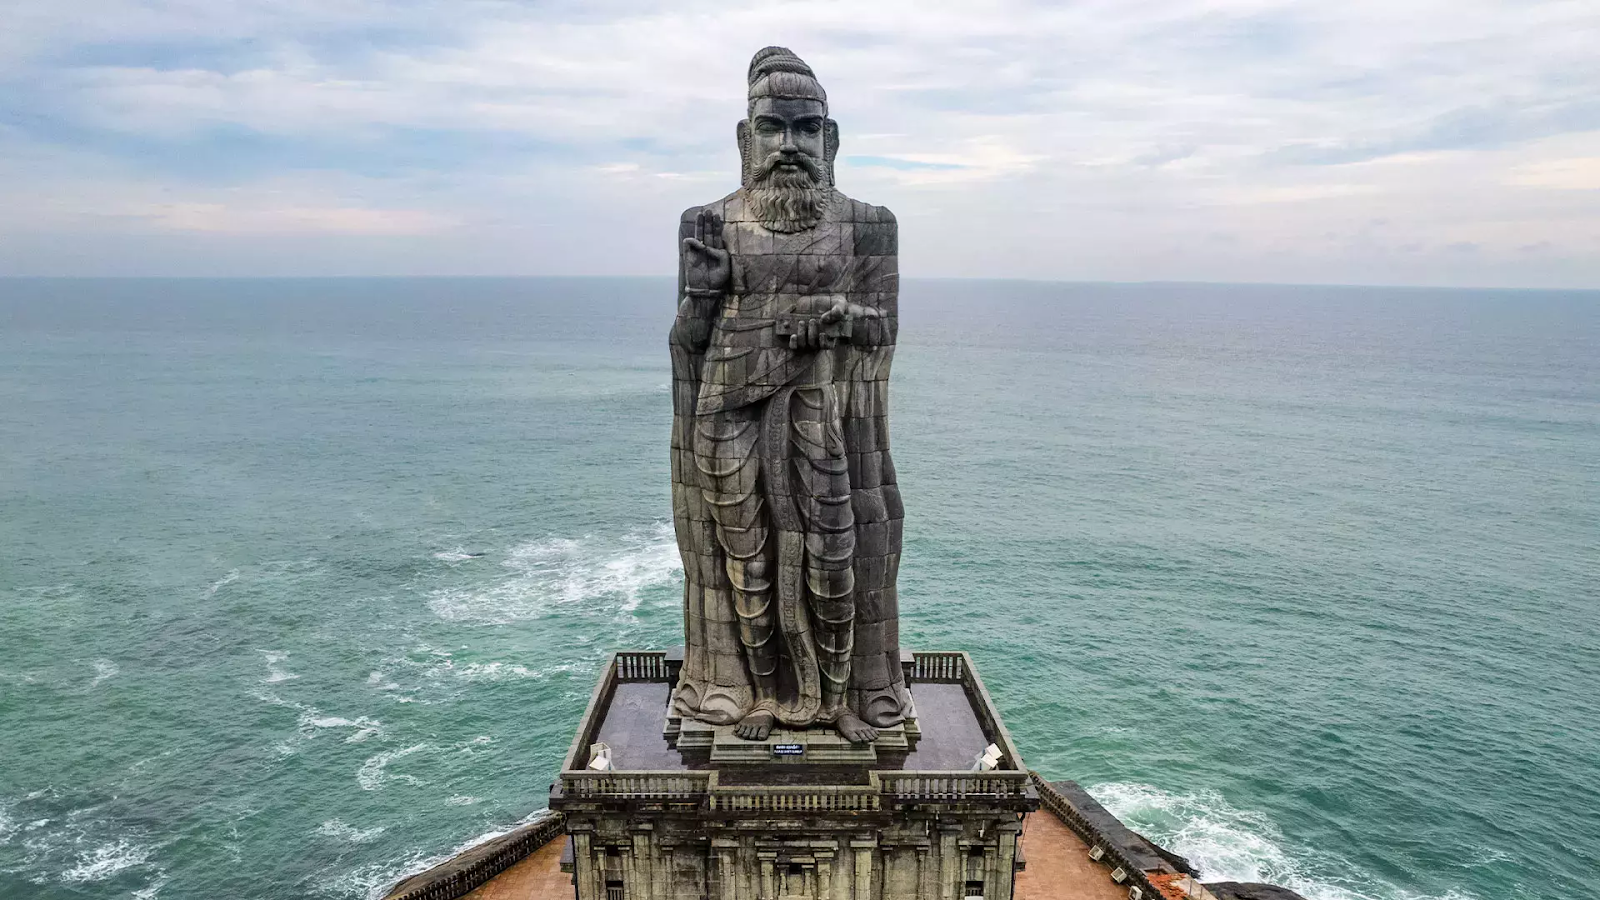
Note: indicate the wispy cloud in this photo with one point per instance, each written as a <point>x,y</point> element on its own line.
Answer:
<point>1225,139</point>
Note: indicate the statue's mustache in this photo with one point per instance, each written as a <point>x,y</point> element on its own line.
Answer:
<point>805,162</point>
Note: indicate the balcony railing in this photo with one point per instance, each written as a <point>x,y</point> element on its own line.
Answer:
<point>779,798</point>
<point>954,787</point>
<point>943,666</point>
<point>680,786</point>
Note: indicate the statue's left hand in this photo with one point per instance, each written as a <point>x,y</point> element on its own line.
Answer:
<point>811,336</point>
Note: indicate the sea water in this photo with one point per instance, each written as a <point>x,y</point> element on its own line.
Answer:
<point>304,584</point>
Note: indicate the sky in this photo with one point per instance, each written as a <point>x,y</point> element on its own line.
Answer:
<point>1407,142</point>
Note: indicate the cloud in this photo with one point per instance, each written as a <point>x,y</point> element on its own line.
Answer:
<point>1097,139</point>
<point>1578,174</point>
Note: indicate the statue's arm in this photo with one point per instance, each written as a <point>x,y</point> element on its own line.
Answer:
<point>703,269</point>
<point>878,279</point>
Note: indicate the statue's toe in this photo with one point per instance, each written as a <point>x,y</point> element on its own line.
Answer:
<point>754,727</point>
<point>856,731</point>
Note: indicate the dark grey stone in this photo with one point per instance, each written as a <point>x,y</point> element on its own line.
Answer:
<point>1244,890</point>
<point>788,293</point>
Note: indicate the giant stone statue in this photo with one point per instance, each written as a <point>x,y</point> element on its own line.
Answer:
<point>783,493</point>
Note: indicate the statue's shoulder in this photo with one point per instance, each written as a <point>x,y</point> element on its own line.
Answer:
<point>875,231</point>
<point>862,212</point>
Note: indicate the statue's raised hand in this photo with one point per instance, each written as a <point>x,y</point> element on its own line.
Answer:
<point>706,264</point>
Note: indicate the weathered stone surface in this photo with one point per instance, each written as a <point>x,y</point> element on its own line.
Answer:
<point>1241,890</point>
<point>784,495</point>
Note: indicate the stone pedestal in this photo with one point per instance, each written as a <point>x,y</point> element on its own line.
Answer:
<point>689,811</point>
<point>718,745</point>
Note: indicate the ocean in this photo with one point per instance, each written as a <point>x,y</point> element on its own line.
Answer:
<point>304,583</point>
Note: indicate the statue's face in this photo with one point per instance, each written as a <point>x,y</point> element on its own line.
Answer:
<point>782,130</point>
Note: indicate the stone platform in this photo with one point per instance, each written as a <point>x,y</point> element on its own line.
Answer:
<point>786,747</point>
<point>689,811</point>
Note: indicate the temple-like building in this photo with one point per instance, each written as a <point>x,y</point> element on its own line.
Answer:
<point>686,811</point>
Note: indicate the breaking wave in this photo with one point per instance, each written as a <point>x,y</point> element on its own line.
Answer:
<point>275,672</point>
<point>221,583</point>
<point>103,669</point>
<point>374,774</point>
<point>1229,844</point>
<point>336,828</point>
<point>106,860</point>
<point>560,571</point>
<point>76,847</point>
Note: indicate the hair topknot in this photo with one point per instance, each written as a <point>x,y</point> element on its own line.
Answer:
<point>777,72</point>
<point>777,59</point>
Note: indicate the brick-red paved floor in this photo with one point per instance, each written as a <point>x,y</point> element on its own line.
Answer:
<point>1059,867</point>
<point>539,877</point>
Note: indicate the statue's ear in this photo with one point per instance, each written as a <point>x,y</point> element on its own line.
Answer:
<point>830,139</point>
<point>742,132</point>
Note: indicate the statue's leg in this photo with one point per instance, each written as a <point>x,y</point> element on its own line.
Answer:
<point>823,476</point>
<point>725,453</point>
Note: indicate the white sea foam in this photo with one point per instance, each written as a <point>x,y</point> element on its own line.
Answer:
<point>312,720</point>
<point>221,583</point>
<point>335,828</point>
<point>374,774</point>
<point>106,860</point>
<point>472,746</point>
<point>457,555</point>
<point>8,825</point>
<point>149,892</point>
<point>274,673</point>
<point>462,800</point>
<point>1229,844</point>
<point>544,574</point>
<point>103,669</point>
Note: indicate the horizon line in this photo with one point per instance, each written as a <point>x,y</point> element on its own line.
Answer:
<point>973,278</point>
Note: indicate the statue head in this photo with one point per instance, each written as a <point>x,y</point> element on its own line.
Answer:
<point>787,143</point>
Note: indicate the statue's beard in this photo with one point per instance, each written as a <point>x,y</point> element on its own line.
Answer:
<point>788,200</point>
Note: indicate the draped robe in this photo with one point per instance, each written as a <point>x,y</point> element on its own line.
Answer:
<point>782,455</point>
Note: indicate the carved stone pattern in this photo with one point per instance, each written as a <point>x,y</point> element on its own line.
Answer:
<point>784,495</point>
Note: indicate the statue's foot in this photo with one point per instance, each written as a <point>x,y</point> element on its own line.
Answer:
<point>854,730</point>
<point>754,727</point>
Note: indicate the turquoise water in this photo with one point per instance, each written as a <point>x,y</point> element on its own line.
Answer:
<point>304,583</point>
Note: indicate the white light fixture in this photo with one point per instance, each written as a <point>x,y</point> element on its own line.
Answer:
<point>1096,852</point>
<point>987,760</point>
<point>600,757</point>
<point>1119,875</point>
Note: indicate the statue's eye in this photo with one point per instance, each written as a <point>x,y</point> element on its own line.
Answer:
<point>768,128</point>
<point>812,127</point>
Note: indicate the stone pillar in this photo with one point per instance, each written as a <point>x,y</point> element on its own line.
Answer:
<point>768,888</point>
<point>583,864</point>
<point>727,853</point>
<point>598,867</point>
<point>640,885</point>
<point>825,875</point>
<point>1006,862</point>
<point>949,862</point>
<point>925,873</point>
<point>863,880</point>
